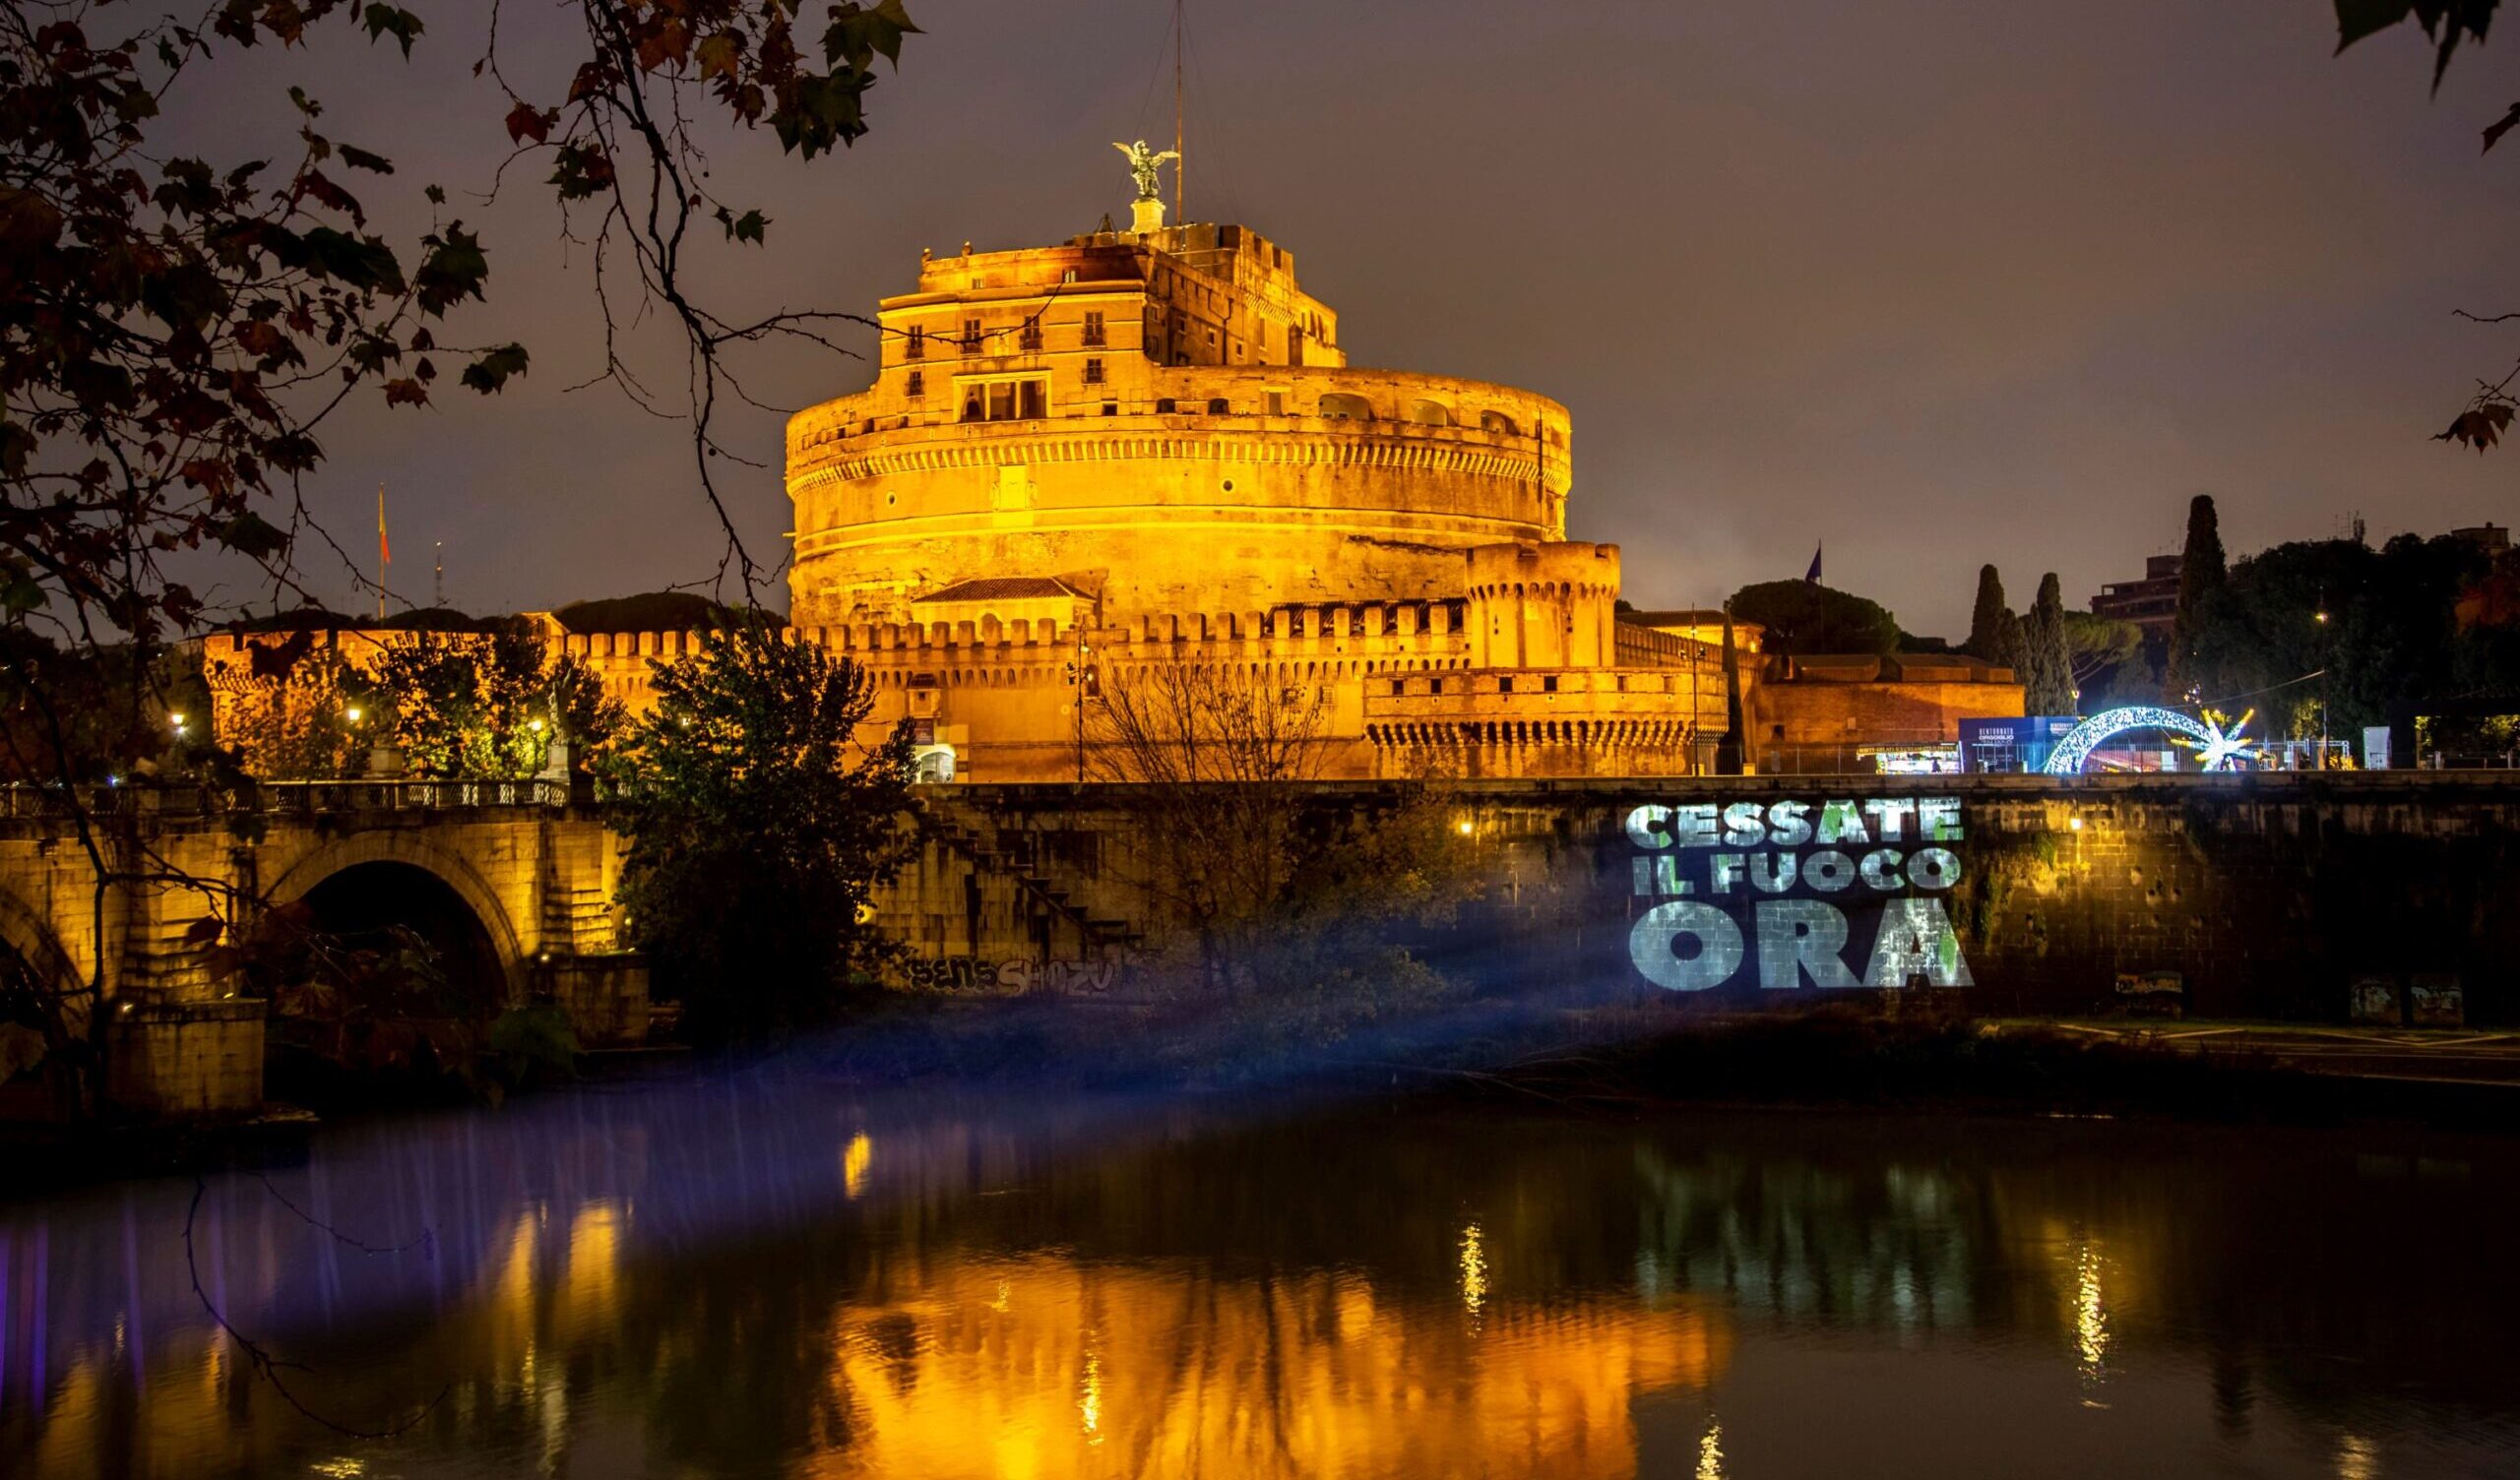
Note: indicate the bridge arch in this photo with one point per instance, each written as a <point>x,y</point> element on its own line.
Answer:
<point>372,852</point>
<point>26,934</point>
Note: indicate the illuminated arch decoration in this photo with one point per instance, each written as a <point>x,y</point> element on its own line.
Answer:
<point>2215,750</point>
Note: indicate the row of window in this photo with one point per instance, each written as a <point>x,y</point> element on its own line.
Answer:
<point>1028,336</point>
<point>1336,406</point>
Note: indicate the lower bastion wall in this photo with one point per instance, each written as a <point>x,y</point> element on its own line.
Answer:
<point>1402,698</point>
<point>2271,896</point>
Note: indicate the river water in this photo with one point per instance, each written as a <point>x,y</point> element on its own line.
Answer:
<point>771,1277</point>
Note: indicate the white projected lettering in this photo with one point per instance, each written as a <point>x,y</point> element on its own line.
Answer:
<point>1795,893</point>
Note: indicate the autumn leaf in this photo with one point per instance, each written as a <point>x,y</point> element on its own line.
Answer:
<point>453,272</point>
<point>359,158</point>
<point>721,55</point>
<point>581,170</point>
<point>384,20</point>
<point>526,121</point>
<point>406,391</point>
<point>2480,427</point>
<point>251,535</point>
<point>668,41</point>
<point>204,931</point>
<point>260,338</point>
<point>490,372</point>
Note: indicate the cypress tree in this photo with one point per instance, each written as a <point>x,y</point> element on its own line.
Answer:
<point>2048,676</point>
<point>2201,573</point>
<point>1988,618</point>
<point>1727,751</point>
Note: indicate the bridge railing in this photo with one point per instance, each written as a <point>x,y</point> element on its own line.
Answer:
<point>286,798</point>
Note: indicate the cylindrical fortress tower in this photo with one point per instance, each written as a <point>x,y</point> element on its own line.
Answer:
<point>1161,421</point>
<point>1543,605</point>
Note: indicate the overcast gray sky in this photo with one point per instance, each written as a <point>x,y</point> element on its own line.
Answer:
<point>1938,283</point>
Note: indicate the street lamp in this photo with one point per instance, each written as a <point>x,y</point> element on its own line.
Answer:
<point>1080,677</point>
<point>2327,650</point>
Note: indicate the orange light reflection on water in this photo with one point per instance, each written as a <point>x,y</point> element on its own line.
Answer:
<point>1045,1368</point>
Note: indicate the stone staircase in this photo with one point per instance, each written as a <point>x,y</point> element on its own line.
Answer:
<point>577,919</point>
<point>974,839</point>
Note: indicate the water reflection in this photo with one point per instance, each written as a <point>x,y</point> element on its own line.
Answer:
<point>757,1278</point>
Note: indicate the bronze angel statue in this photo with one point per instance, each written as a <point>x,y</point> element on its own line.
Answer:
<point>1143,163</point>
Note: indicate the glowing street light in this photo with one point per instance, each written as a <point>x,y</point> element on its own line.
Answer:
<point>351,713</point>
<point>177,721</point>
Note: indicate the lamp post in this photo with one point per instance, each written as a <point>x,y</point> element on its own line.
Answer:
<point>1080,677</point>
<point>2327,649</point>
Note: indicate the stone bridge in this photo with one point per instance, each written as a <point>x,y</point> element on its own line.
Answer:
<point>512,882</point>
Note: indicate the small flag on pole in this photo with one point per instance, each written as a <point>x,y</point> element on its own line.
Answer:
<point>1813,574</point>
<point>384,552</point>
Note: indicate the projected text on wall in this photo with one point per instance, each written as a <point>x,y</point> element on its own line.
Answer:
<point>1793,894</point>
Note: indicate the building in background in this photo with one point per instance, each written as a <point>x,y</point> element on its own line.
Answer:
<point>2151,603</point>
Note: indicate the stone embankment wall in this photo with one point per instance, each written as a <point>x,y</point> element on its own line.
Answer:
<point>2259,895</point>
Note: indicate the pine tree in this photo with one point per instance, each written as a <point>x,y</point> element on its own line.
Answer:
<point>2047,674</point>
<point>1989,619</point>
<point>2201,573</point>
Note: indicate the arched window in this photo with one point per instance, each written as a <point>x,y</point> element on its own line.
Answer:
<point>1218,406</point>
<point>1340,407</point>
<point>1500,423</point>
<point>1430,413</point>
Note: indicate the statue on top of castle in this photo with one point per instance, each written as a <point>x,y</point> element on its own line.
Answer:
<point>1143,164</point>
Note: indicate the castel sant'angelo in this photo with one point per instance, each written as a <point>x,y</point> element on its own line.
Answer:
<point>1147,447</point>
<point>1145,451</point>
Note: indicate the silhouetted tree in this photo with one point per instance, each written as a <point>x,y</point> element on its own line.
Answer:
<point>487,705</point>
<point>2392,634</point>
<point>2047,680</point>
<point>1803,617</point>
<point>1989,619</point>
<point>1727,750</point>
<point>2201,573</point>
<point>758,824</point>
<point>2097,649</point>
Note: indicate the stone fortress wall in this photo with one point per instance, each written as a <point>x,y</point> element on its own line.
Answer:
<point>1229,487</point>
<point>1406,694</point>
<point>1081,463</point>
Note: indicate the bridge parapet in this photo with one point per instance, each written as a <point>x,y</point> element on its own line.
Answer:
<point>285,798</point>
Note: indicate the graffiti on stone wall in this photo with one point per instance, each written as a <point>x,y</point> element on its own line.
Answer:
<point>963,973</point>
<point>1790,894</point>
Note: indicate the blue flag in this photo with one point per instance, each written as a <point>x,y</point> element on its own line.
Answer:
<point>1814,573</point>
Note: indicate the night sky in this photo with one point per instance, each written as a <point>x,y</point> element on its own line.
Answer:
<point>1938,283</point>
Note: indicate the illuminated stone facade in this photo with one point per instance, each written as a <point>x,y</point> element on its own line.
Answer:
<point>1164,421</point>
<point>1146,448</point>
<point>1082,464</point>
